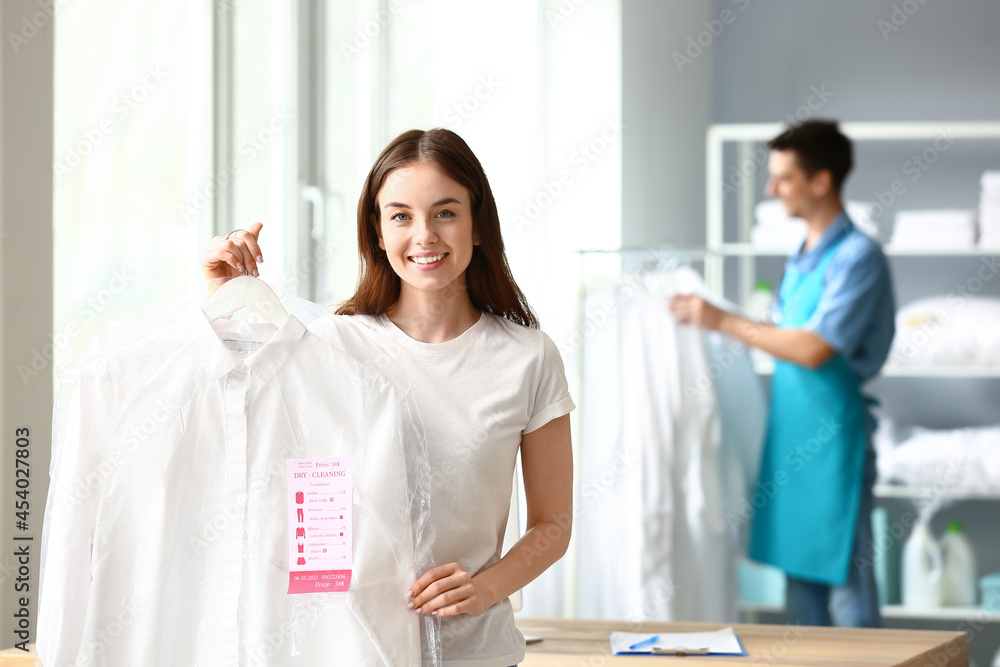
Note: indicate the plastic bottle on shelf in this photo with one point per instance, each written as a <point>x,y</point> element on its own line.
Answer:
<point>958,578</point>
<point>922,566</point>
<point>760,305</point>
<point>886,555</point>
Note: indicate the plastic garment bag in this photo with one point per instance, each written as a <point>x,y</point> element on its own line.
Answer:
<point>658,459</point>
<point>743,413</point>
<point>651,528</point>
<point>166,535</point>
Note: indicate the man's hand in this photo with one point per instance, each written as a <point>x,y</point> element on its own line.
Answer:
<point>691,309</point>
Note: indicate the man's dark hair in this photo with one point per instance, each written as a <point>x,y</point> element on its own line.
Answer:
<point>818,145</point>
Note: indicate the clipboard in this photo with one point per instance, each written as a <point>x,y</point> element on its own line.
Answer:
<point>723,642</point>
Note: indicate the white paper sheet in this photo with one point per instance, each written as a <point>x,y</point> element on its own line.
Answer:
<point>722,641</point>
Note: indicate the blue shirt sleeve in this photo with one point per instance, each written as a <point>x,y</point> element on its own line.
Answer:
<point>855,315</point>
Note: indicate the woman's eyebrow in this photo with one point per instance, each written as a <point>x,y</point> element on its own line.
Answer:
<point>439,202</point>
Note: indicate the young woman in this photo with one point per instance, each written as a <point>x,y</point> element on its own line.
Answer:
<point>435,286</point>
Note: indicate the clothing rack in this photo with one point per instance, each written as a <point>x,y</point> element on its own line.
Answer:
<point>614,264</point>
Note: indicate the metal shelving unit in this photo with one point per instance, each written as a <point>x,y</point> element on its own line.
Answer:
<point>918,492</point>
<point>720,249</point>
<point>764,365</point>
<point>751,250</point>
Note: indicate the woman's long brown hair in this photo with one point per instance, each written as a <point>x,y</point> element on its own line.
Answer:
<point>489,281</point>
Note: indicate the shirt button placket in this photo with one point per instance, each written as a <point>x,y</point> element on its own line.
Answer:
<point>235,491</point>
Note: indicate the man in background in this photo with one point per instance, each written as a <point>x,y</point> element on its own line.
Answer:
<point>835,323</point>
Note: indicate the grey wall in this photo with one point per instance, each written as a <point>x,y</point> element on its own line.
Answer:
<point>666,111</point>
<point>943,63</point>
<point>26,344</point>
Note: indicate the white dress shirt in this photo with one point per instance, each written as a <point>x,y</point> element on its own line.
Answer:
<point>165,538</point>
<point>651,530</point>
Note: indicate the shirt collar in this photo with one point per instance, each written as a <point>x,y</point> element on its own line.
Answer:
<point>219,360</point>
<point>807,261</point>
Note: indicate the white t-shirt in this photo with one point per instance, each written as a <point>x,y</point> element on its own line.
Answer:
<point>476,394</point>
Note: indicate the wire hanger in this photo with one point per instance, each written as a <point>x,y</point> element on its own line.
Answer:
<point>246,292</point>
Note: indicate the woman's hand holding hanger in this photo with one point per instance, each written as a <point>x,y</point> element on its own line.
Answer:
<point>233,255</point>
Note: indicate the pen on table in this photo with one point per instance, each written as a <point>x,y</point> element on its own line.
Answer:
<point>645,642</point>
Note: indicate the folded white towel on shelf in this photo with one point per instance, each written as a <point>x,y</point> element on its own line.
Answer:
<point>935,229</point>
<point>966,459</point>
<point>990,180</point>
<point>947,331</point>
<point>786,236</point>
<point>862,214</point>
<point>768,211</point>
<point>770,208</point>
<point>989,210</point>
<point>990,240</point>
<point>989,216</point>
<point>774,229</point>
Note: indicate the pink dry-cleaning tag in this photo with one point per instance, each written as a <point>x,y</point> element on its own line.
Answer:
<point>320,502</point>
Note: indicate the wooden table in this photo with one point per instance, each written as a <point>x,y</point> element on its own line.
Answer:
<point>13,657</point>
<point>584,643</point>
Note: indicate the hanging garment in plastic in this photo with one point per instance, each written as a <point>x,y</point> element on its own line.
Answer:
<point>167,538</point>
<point>659,530</point>
<point>742,413</point>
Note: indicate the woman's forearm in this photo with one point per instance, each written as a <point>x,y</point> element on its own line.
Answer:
<point>541,545</point>
<point>547,469</point>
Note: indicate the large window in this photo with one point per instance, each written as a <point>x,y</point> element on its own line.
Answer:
<point>131,130</point>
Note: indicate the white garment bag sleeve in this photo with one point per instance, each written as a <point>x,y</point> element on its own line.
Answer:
<point>68,532</point>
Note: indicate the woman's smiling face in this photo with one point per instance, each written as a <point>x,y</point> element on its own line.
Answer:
<point>425,227</point>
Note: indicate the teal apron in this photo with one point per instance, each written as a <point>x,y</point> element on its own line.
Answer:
<point>807,497</point>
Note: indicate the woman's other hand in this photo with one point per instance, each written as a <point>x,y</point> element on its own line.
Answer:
<point>233,255</point>
<point>447,590</point>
